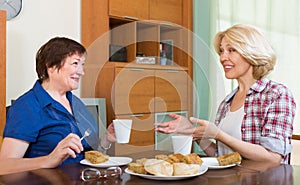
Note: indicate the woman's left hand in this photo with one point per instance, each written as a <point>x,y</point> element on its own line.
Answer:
<point>179,125</point>
<point>205,129</point>
<point>110,133</point>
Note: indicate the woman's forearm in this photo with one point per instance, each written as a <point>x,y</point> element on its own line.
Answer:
<point>248,150</point>
<point>14,165</point>
<point>207,146</point>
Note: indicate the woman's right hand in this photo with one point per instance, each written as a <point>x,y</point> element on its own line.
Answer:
<point>180,125</point>
<point>69,146</point>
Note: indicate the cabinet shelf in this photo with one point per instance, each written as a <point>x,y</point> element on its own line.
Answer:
<point>142,28</point>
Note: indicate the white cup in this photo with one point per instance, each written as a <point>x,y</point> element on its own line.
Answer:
<point>182,144</point>
<point>163,61</point>
<point>122,130</point>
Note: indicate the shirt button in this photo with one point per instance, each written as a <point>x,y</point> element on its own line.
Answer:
<point>243,129</point>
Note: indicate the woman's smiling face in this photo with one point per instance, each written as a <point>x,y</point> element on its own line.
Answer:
<point>68,76</point>
<point>234,65</point>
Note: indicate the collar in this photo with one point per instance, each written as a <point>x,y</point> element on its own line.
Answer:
<point>258,86</point>
<point>43,97</point>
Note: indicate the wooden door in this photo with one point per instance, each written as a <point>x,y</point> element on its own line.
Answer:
<point>170,90</point>
<point>166,10</point>
<point>134,91</point>
<point>132,9</point>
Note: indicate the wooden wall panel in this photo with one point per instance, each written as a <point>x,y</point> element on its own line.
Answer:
<point>2,72</point>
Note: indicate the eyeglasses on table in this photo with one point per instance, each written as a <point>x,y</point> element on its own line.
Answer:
<point>92,174</point>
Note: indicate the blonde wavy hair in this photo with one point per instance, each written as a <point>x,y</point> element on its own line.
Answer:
<point>252,45</point>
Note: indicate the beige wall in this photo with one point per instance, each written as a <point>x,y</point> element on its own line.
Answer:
<point>38,21</point>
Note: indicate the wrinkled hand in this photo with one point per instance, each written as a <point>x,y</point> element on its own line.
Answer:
<point>205,129</point>
<point>69,146</point>
<point>180,125</point>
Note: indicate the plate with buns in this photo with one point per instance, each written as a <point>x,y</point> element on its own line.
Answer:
<point>98,159</point>
<point>224,161</point>
<point>167,167</point>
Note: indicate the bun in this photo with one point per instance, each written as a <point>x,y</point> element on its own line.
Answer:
<point>176,158</point>
<point>162,157</point>
<point>141,161</point>
<point>137,168</point>
<point>185,169</point>
<point>158,167</point>
<point>95,157</point>
<point>232,158</point>
<point>168,165</point>
<point>192,158</point>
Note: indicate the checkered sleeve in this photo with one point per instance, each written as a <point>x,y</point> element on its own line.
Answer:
<point>278,120</point>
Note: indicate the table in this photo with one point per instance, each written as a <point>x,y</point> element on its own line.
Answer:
<point>249,172</point>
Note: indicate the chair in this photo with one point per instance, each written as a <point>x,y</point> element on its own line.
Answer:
<point>294,137</point>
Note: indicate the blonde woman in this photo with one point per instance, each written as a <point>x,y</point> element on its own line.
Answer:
<point>256,119</point>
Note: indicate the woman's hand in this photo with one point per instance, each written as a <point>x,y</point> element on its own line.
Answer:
<point>110,133</point>
<point>69,146</point>
<point>205,129</point>
<point>180,125</point>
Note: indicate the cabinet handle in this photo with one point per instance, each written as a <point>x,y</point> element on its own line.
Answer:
<point>137,115</point>
<point>172,71</point>
<point>130,17</point>
<point>166,23</point>
<point>136,69</point>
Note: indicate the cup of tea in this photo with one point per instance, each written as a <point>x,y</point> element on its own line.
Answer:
<point>122,130</point>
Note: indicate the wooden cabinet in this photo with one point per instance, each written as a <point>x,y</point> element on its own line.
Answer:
<point>162,10</point>
<point>138,92</point>
<point>171,90</point>
<point>130,9</point>
<point>141,136</point>
<point>166,10</point>
<point>2,72</point>
<point>132,90</point>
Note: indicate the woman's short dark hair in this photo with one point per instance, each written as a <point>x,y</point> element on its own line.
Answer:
<point>53,54</point>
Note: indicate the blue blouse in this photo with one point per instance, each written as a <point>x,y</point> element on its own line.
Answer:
<point>37,118</point>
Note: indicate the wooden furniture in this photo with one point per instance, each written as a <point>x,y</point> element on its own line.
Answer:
<point>132,90</point>
<point>251,173</point>
<point>2,72</point>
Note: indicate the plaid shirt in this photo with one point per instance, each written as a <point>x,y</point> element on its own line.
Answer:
<point>269,112</point>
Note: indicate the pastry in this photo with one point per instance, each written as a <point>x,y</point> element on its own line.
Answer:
<point>176,158</point>
<point>158,167</point>
<point>95,157</point>
<point>137,168</point>
<point>232,158</point>
<point>185,169</point>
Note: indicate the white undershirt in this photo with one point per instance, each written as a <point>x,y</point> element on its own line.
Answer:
<point>231,124</point>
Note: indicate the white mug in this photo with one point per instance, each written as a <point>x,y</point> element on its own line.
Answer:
<point>182,144</point>
<point>122,130</point>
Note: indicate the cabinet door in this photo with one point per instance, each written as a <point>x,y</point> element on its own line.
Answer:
<point>170,90</point>
<point>166,10</point>
<point>131,9</point>
<point>134,91</point>
<point>141,136</point>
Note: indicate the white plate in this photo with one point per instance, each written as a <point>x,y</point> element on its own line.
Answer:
<point>203,169</point>
<point>112,161</point>
<point>212,163</point>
